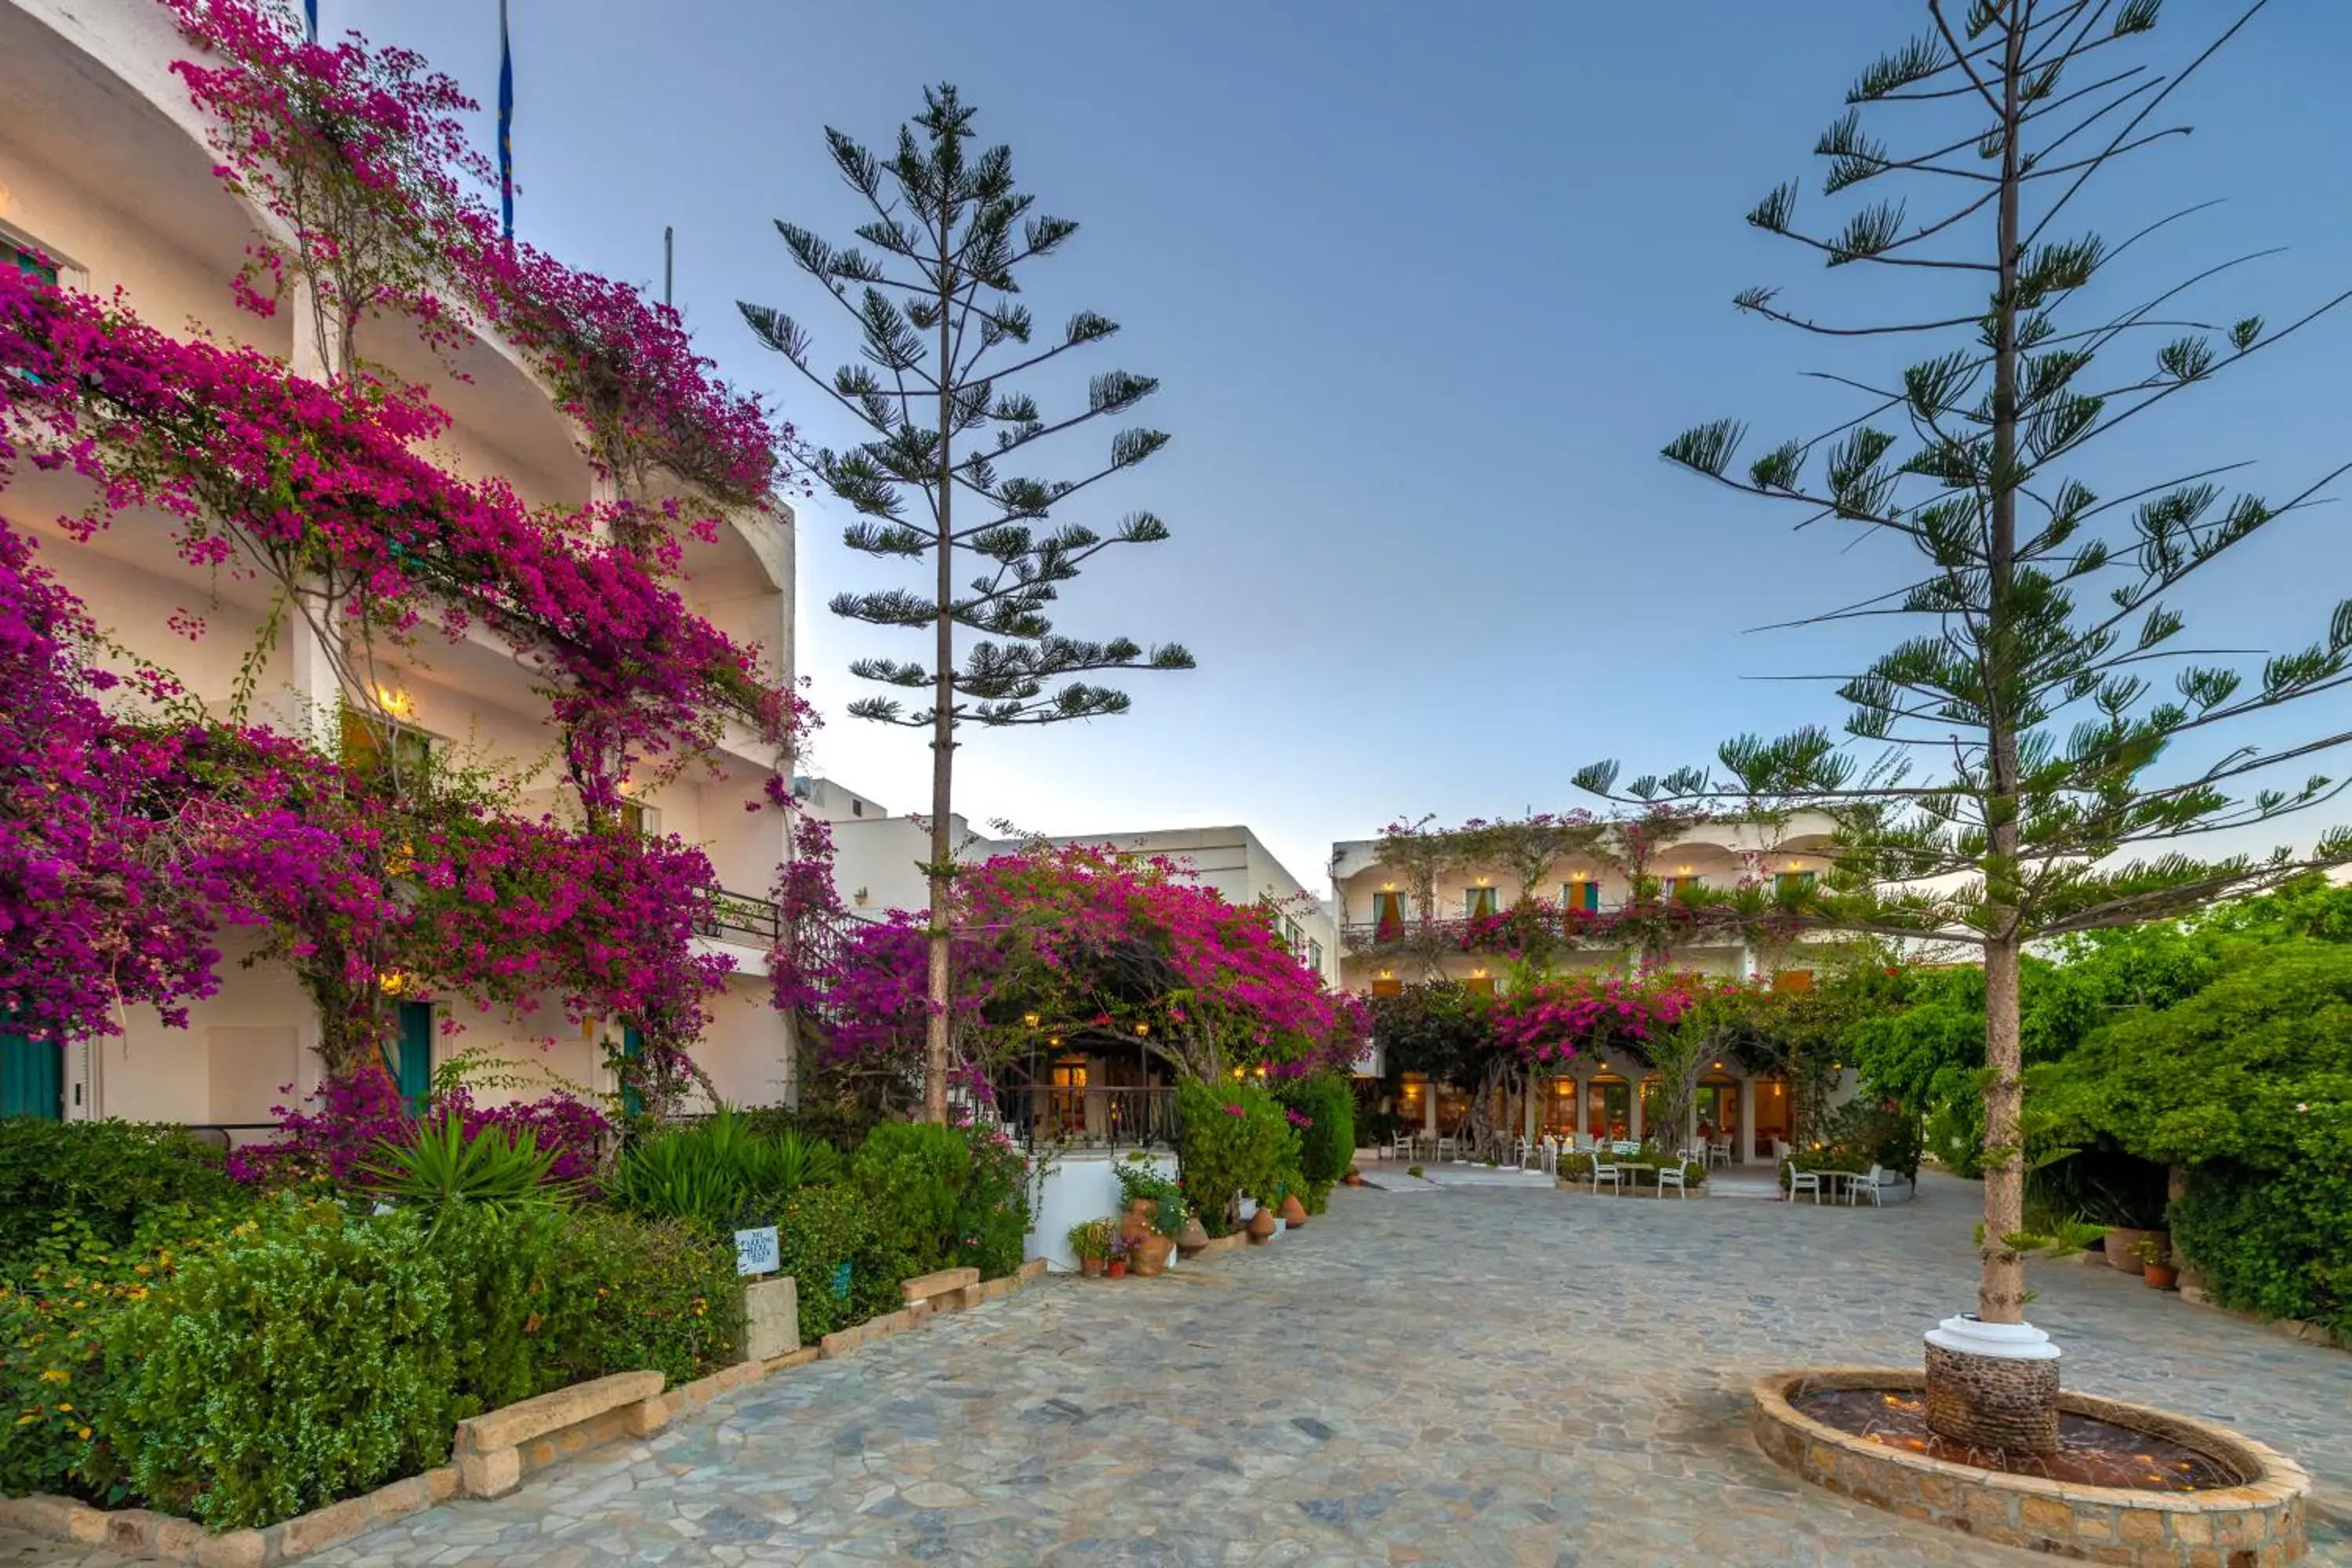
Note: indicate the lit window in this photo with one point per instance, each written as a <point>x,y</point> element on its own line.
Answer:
<point>1388,915</point>
<point>1584,895</point>
<point>1477,901</point>
<point>1792,884</point>
<point>382,754</point>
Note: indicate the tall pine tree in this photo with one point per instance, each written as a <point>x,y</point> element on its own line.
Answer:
<point>946,343</point>
<point>2020,772</point>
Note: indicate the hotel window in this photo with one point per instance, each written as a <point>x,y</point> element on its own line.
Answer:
<point>1315,956</point>
<point>1790,884</point>
<point>1388,914</point>
<point>1680,887</point>
<point>1388,985</point>
<point>1793,980</point>
<point>1585,896</point>
<point>27,260</point>
<point>632,819</point>
<point>373,749</point>
<point>1480,985</point>
<point>1477,901</point>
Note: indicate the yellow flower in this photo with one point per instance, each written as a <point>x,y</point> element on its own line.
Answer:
<point>85,1431</point>
<point>65,1408</point>
<point>27,1420</point>
<point>56,1374</point>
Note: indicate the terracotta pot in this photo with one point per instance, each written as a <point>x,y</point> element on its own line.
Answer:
<point>2120,1242</point>
<point>1152,1255</point>
<point>1117,1268</point>
<point>1091,1268</point>
<point>1194,1236</point>
<point>1137,1223</point>
<point>1354,1178</point>
<point>1293,1213</point>
<point>1261,1225</point>
<point>2160,1276</point>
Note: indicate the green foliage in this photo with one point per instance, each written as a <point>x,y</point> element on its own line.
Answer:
<point>992,1226</point>
<point>1326,1147</point>
<point>719,1172</point>
<point>1090,1240</point>
<point>1438,1027</point>
<point>441,1169</point>
<point>240,1374</point>
<point>916,1174</point>
<point>2277,1243</point>
<point>311,1362</point>
<point>823,1227</point>
<point>1140,1182</point>
<point>1235,1142</point>
<point>106,1174</point>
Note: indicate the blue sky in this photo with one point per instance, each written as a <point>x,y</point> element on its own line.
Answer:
<point>1427,288</point>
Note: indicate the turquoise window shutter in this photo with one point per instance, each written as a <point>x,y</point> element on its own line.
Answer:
<point>31,1077</point>
<point>412,1069</point>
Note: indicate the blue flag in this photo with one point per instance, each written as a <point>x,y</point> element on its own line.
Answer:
<point>311,19</point>
<point>506,126</point>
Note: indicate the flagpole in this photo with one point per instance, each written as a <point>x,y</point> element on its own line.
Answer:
<point>506,128</point>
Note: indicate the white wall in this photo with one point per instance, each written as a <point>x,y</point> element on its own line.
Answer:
<point>1079,1187</point>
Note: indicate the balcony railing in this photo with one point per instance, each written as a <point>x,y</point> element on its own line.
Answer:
<point>739,917</point>
<point>1042,1116</point>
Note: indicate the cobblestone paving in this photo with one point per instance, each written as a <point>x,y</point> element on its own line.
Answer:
<point>1473,1376</point>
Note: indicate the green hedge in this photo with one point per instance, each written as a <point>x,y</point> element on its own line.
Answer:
<point>106,1174</point>
<point>1235,1141</point>
<point>307,1353</point>
<point>1327,1146</point>
<point>2271,1242</point>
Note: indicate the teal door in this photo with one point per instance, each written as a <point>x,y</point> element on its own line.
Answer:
<point>633,1049</point>
<point>31,1077</point>
<point>412,1066</point>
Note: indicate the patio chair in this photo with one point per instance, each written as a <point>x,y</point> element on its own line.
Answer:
<point>1579,1142</point>
<point>1401,1146</point>
<point>1603,1171</point>
<point>1670,1175</point>
<point>1552,1156</point>
<point>1805,1182</point>
<point>1449,1147</point>
<point>1719,1152</point>
<point>1875,1182</point>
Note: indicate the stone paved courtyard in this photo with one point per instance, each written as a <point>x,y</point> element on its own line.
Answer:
<point>1468,1376</point>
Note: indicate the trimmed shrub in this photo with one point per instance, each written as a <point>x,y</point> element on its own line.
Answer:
<point>916,1175</point>
<point>1235,1141</point>
<point>824,1228</point>
<point>1327,1145</point>
<point>993,1217</point>
<point>106,1174</point>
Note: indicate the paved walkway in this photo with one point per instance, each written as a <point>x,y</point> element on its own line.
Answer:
<point>1472,1378</point>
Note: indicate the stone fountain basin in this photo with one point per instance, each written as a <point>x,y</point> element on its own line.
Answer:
<point>2256,1524</point>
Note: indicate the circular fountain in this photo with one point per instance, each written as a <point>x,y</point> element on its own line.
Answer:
<point>2122,1484</point>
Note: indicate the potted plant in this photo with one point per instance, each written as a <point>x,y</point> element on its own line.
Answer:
<point>1354,1178</point>
<point>2125,1241</point>
<point>1154,1216</point>
<point>1120,1247</point>
<point>2157,1264</point>
<point>1090,1241</point>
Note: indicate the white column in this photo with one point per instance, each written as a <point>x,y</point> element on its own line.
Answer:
<point>1634,1123</point>
<point>318,690</point>
<point>1747,1120</point>
<point>1429,1107</point>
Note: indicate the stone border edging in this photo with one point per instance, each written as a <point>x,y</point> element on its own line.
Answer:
<point>175,1540</point>
<point>2258,1524</point>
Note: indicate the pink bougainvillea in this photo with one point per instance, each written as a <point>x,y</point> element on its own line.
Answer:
<point>1087,942</point>
<point>343,1126</point>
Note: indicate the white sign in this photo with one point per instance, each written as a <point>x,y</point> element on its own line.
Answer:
<point>756,1251</point>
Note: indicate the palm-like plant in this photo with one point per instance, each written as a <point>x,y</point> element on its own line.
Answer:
<point>444,1167</point>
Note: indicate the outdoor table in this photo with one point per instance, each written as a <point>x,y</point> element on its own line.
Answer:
<point>1630,1165</point>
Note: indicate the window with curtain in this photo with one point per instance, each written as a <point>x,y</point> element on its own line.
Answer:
<point>1788,884</point>
<point>1388,914</point>
<point>371,748</point>
<point>1584,895</point>
<point>1477,901</point>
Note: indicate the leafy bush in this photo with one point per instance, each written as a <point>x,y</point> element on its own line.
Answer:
<point>1140,1181</point>
<point>916,1175</point>
<point>992,1216</point>
<point>2279,1247</point>
<point>347,1121</point>
<point>1235,1142</point>
<point>1327,1144</point>
<point>309,1353</point>
<point>821,1229</point>
<point>291,1366</point>
<point>106,1174</point>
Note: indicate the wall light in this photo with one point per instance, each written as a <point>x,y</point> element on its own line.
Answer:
<point>392,982</point>
<point>395,702</point>
<point>1030,1019</point>
<point>1388,887</point>
<point>1143,1028</point>
<point>1484,880</point>
<point>1477,975</point>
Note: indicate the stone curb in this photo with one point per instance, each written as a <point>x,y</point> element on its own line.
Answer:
<point>161,1536</point>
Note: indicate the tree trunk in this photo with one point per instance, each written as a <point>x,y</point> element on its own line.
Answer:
<point>2001,1283</point>
<point>938,1022</point>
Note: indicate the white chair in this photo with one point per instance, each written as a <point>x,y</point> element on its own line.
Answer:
<point>1579,1142</point>
<point>1449,1147</point>
<point>1670,1175</point>
<point>1719,1152</point>
<point>1805,1182</point>
<point>1875,1183</point>
<point>1603,1171</point>
<point>1550,1156</point>
<point>1401,1146</point>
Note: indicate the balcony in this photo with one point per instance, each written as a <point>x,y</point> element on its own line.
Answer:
<point>1051,1116</point>
<point>739,917</point>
